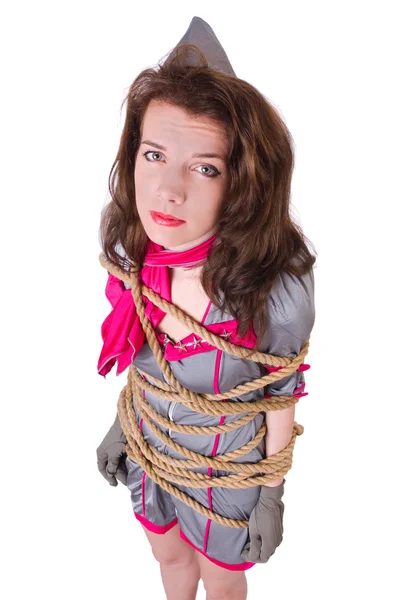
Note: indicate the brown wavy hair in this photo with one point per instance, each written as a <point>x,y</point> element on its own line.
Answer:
<point>256,237</point>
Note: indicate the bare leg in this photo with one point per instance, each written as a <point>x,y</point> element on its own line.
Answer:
<point>220,583</point>
<point>179,566</point>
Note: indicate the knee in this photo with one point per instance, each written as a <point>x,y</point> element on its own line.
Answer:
<point>172,559</point>
<point>217,592</point>
<point>222,590</point>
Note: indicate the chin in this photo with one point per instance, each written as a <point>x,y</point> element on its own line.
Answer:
<point>167,236</point>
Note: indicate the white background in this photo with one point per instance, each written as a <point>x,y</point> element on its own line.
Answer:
<point>329,68</point>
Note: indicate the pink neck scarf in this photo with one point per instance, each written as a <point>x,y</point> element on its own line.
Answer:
<point>122,332</point>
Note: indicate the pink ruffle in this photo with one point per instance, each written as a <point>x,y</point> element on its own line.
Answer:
<point>114,289</point>
<point>121,331</point>
<point>118,329</point>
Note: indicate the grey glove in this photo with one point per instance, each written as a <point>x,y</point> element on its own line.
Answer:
<point>111,455</point>
<point>265,525</point>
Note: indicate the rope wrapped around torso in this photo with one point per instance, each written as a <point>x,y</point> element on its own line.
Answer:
<point>165,470</point>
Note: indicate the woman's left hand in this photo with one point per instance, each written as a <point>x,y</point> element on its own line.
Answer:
<point>265,525</point>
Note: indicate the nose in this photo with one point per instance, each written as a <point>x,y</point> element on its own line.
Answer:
<point>171,188</point>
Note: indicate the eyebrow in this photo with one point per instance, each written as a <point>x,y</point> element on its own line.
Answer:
<point>196,155</point>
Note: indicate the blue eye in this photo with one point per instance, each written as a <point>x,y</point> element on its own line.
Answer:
<point>214,170</point>
<point>150,152</point>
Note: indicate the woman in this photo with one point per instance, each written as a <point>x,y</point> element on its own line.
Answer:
<point>205,165</point>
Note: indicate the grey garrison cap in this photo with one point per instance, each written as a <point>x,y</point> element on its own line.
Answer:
<point>202,35</point>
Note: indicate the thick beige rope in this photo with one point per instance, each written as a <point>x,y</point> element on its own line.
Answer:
<point>165,470</point>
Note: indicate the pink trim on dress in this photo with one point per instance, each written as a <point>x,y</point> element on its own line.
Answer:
<point>143,495</point>
<point>301,388</point>
<point>194,344</point>
<point>302,367</point>
<point>207,310</point>
<point>216,442</point>
<point>273,369</point>
<point>143,481</point>
<point>207,527</point>
<point>160,529</point>
<point>144,473</point>
<point>230,566</point>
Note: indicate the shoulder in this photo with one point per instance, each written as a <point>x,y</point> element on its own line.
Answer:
<point>291,313</point>
<point>292,298</point>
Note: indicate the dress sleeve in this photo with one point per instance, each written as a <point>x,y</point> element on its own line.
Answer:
<point>291,314</point>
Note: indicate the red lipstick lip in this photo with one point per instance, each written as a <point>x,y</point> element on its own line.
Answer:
<point>166,217</point>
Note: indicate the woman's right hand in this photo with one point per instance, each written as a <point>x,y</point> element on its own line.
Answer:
<point>111,455</point>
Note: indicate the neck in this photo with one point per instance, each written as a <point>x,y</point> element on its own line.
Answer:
<point>178,274</point>
<point>192,243</point>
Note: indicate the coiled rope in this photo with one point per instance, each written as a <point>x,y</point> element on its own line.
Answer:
<point>165,470</point>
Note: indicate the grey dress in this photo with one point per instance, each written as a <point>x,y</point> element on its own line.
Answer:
<point>206,369</point>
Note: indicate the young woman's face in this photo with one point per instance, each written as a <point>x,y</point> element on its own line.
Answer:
<point>169,179</point>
